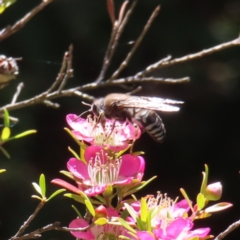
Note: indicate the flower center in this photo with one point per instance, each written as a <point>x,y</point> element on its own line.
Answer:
<point>164,206</point>
<point>103,170</point>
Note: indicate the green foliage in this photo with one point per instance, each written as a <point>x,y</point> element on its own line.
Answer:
<point>6,133</point>
<point>41,190</point>
<point>5,4</point>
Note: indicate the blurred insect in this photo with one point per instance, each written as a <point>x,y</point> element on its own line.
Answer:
<point>139,110</point>
<point>8,70</point>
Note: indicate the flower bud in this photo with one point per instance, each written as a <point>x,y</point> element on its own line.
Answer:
<point>101,212</point>
<point>214,191</point>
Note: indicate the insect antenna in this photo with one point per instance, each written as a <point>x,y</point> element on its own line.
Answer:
<point>88,111</point>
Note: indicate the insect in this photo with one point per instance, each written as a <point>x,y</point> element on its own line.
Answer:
<point>139,110</point>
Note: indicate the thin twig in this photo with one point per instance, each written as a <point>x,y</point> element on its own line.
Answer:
<point>166,63</point>
<point>18,91</point>
<point>69,70</point>
<point>60,74</point>
<point>228,230</point>
<point>113,43</point>
<point>53,226</point>
<point>6,32</point>
<point>136,44</point>
<point>26,224</point>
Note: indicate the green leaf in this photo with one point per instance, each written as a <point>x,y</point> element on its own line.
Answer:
<point>140,224</point>
<point>200,201</point>
<point>42,184</point>
<point>143,210</point>
<point>76,197</point>
<point>37,197</point>
<point>139,186</point>
<point>205,180</point>
<point>5,4</point>
<point>187,198</point>
<point>76,210</point>
<point>131,211</point>
<point>56,193</point>
<point>5,152</point>
<point>67,174</point>
<point>37,188</point>
<point>101,221</point>
<point>126,225</point>
<point>81,199</point>
<point>73,153</point>
<point>101,199</point>
<point>218,207</point>
<point>6,118</point>
<point>23,134</point>
<point>6,132</point>
<point>90,207</point>
<point>2,170</point>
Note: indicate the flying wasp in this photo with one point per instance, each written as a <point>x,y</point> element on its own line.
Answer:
<point>139,110</point>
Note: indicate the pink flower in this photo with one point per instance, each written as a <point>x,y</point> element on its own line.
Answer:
<point>101,171</point>
<point>98,232</point>
<point>169,220</point>
<point>180,229</point>
<point>114,135</point>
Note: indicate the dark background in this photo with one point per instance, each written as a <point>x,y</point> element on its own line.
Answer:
<point>206,130</point>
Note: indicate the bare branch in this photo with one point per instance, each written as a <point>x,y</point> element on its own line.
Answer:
<point>136,44</point>
<point>8,31</point>
<point>167,62</point>
<point>116,34</point>
<point>228,230</point>
<point>19,89</point>
<point>26,224</point>
<point>69,70</point>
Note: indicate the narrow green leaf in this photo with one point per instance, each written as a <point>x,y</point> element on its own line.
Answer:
<point>2,170</point>
<point>37,188</point>
<point>73,153</point>
<point>139,187</point>
<point>150,215</point>
<point>131,211</point>
<point>81,199</point>
<point>201,202</point>
<point>143,210</point>
<point>67,174</point>
<point>23,134</point>
<point>6,132</point>
<point>101,221</point>
<point>126,225</point>
<point>90,207</point>
<point>5,152</point>
<point>76,197</point>
<point>6,118</point>
<point>42,184</point>
<point>101,199</point>
<point>140,224</point>
<point>37,197</point>
<point>138,153</point>
<point>56,193</point>
<point>205,180</point>
<point>187,198</point>
<point>76,210</point>
<point>218,207</point>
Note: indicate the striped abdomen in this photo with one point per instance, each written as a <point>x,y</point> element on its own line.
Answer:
<point>150,121</point>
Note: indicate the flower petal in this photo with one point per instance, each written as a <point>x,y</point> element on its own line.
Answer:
<point>81,223</point>
<point>77,168</point>
<point>131,165</point>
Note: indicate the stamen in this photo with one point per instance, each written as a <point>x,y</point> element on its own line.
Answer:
<point>103,170</point>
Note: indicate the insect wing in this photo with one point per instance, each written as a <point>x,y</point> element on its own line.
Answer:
<point>151,103</point>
